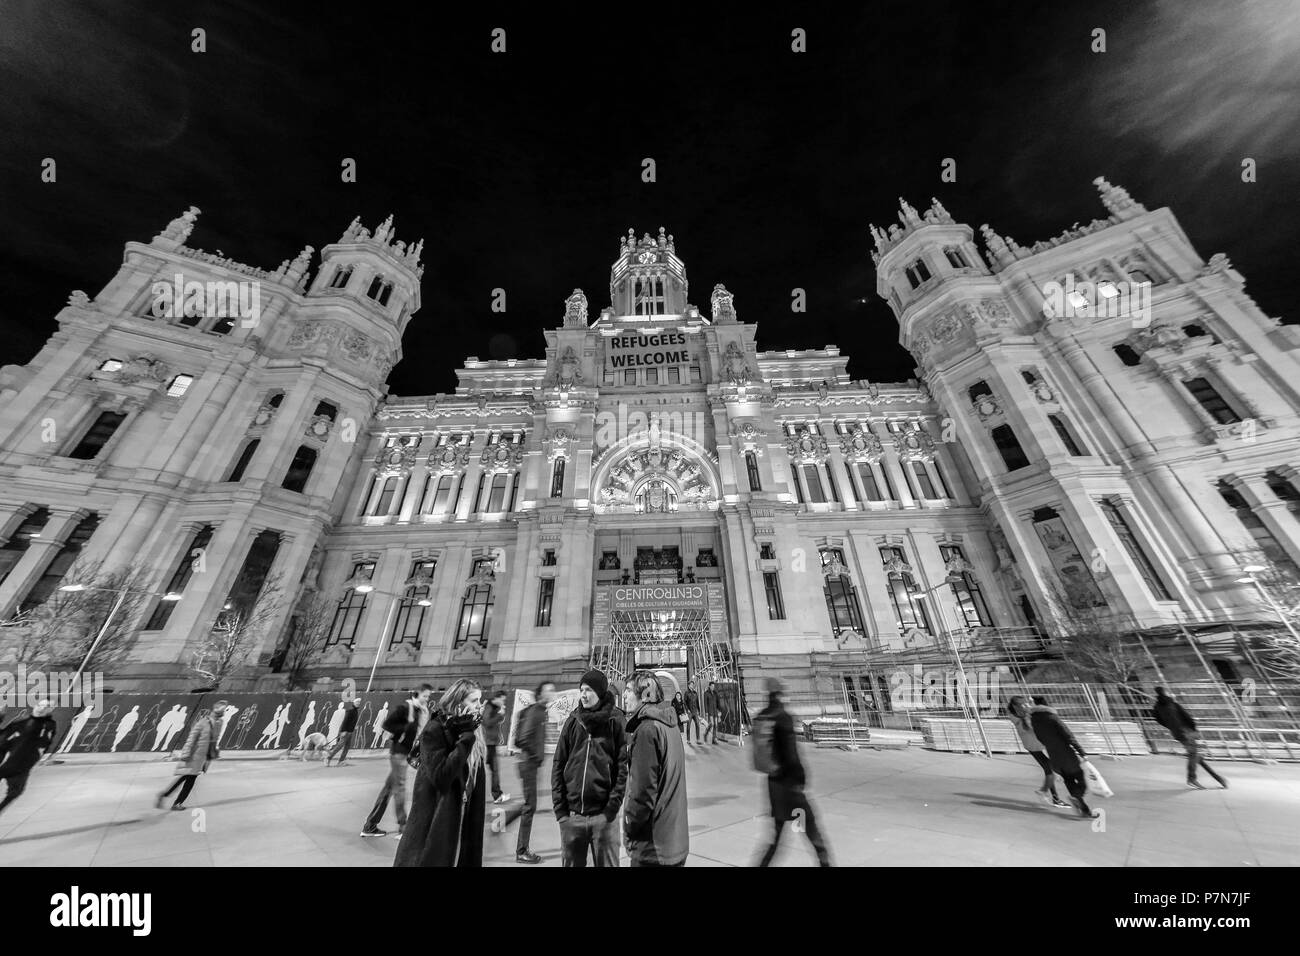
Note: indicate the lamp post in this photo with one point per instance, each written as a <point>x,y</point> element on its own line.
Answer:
<point>364,586</point>
<point>1251,570</point>
<point>950,579</point>
<point>121,598</point>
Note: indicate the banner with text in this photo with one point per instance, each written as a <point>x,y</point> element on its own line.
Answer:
<point>658,349</point>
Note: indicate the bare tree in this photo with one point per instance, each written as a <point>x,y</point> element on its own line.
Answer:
<point>1092,637</point>
<point>1277,648</point>
<point>61,631</point>
<point>235,634</point>
<point>309,630</point>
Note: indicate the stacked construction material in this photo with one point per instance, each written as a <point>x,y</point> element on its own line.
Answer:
<point>1111,737</point>
<point>955,734</point>
<point>830,731</point>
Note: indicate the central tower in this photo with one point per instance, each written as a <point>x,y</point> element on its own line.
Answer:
<point>647,278</point>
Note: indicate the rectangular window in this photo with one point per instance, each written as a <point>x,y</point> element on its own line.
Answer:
<point>180,578</point>
<point>557,479</point>
<point>751,468</point>
<point>867,472</point>
<point>830,482</point>
<point>1210,400</point>
<point>545,598</point>
<point>548,558</point>
<point>385,501</point>
<point>1063,432</point>
<point>300,469</point>
<point>21,540</point>
<point>478,494</point>
<point>441,495</point>
<point>1136,554</point>
<point>909,607</point>
<point>247,589</point>
<point>497,497</point>
<point>652,376</point>
<point>695,374</point>
<point>923,482</point>
<point>967,592</point>
<point>629,376</point>
<point>675,375</point>
<point>97,436</point>
<point>766,551</point>
<point>815,492</point>
<point>57,568</point>
<point>772,585</point>
<point>1008,446</point>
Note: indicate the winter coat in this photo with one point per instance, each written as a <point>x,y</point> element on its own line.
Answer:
<point>711,703</point>
<point>589,772</point>
<point>655,825</point>
<point>23,741</point>
<point>679,708</point>
<point>530,734</point>
<point>445,825</point>
<point>784,786</point>
<point>1062,749</point>
<point>403,722</point>
<point>492,718</point>
<point>1026,732</point>
<point>200,748</point>
<point>693,703</point>
<point>1173,717</point>
<point>349,718</point>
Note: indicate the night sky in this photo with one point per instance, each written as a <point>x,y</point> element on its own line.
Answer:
<point>523,170</point>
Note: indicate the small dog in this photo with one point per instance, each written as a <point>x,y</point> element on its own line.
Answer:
<point>313,744</point>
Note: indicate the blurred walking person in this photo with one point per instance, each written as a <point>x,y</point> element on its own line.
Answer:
<point>589,775</point>
<point>493,716</point>
<point>195,756</point>
<point>679,708</point>
<point>1018,708</point>
<point>692,702</point>
<point>1171,715</point>
<point>1063,751</point>
<point>403,722</point>
<point>776,753</point>
<point>22,742</point>
<point>712,711</point>
<point>446,823</point>
<point>656,830</point>
<point>530,738</point>
<point>349,724</point>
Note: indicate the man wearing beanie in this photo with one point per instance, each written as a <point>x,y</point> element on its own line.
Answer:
<point>589,774</point>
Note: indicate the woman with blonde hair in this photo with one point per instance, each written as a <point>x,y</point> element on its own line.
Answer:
<point>445,826</point>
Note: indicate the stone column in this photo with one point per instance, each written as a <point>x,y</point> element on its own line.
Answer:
<point>411,501</point>
<point>1271,510</point>
<point>873,592</point>
<point>890,462</point>
<point>39,554</point>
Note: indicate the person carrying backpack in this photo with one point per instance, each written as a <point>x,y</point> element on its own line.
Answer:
<point>776,754</point>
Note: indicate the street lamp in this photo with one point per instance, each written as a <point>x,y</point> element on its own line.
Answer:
<point>121,597</point>
<point>950,579</point>
<point>1253,569</point>
<point>363,586</point>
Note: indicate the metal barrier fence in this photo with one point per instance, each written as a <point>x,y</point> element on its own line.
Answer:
<point>1239,722</point>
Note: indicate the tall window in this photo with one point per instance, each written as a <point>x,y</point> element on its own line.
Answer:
<point>1119,524</point>
<point>442,495</point>
<point>674,375</point>
<point>341,278</point>
<point>1284,490</point>
<point>300,469</point>
<point>1127,355</point>
<point>870,487</point>
<point>1067,439</point>
<point>917,273</point>
<point>557,478</point>
<point>347,616</point>
<point>410,613</point>
<point>497,498</point>
<point>967,592</point>
<point>938,474</point>
<point>772,587</point>
<point>252,576</point>
<point>476,609</point>
<point>1264,540</point>
<point>695,374</point>
<point>812,476</point>
<point>1209,399</point>
<point>841,596</point>
<point>1013,456</point>
<point>21,540</point>
<point>179,580</point>
<point>57,568</point>
<point>245,456</point>
<point>751,468</point>
<point>955,257</point>
<point>386,495</point>
<point>923,482</point>
<point>97,436</point>
<point>909,607</point>
<point>545,598</point>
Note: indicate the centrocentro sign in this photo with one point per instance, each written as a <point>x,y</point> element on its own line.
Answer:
<point>658,597</point>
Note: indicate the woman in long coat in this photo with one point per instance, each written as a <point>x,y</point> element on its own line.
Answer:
<point>200,749</point>
<point>445,825</point>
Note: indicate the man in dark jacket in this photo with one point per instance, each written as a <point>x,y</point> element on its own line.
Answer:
<point>588,775</point>
<point>349,724</point>
<point>1171,715</point>
<point>1064,752</point>
<point>692,711</point>
<point>785,787</point>
<point>404,722</point>
<point>656,830</point>
<point>493,715</point>
<point>21,745</point>
<point>530,738</point>
<point>711,712</point>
